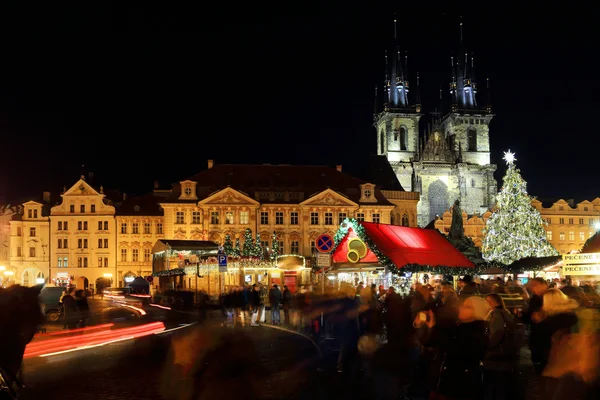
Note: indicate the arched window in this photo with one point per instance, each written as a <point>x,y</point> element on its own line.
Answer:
<point>438,199</point>
<point>472,139</point>
<point>403,138</point>
<point>381,143</point>
<point>405,220</point>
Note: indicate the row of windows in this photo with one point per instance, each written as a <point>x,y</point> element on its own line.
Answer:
<point>561,235</point>
<point>82,243</point>
<point>135,228</point>
<point>571,221</point>
<point>294,218</point>
<point>82,208</point>
<point>82,262</point>
<point>135,255</point>
<point>472,121</point>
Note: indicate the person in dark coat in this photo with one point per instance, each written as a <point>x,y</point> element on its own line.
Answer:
<point>70,310</point>
<point>274,300</point>
<point>255,304</point>
<point>287,304</point>
<point>83,307</point>
<point>455,372</point>
<point>537,327</point>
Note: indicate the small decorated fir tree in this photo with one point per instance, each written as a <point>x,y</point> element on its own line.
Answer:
<point>274,246</point>
<point>248,248</point>
<point>257,250</point>
<point>516,229</point>
<point>228,245</point>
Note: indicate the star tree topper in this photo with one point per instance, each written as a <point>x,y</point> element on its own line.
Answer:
<point>509,157</point>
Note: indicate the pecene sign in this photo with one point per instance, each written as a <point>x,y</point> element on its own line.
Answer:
<point>581,269</point>
<point>582,258</point>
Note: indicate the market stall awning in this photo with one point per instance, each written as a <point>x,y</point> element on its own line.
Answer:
<point>414,249</point>
<point>182,245</point>
<point>535,263</point>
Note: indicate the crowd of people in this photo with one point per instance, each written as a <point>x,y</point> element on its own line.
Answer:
<point>74,308</point>
<point>445,343</point>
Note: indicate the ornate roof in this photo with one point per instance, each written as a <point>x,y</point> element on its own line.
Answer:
<point>438,149</point>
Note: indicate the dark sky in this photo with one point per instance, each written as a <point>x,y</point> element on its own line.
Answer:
<point>153,91</point>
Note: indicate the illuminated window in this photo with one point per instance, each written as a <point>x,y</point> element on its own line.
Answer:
<point>571,236</point>
<point>264,218</point>
<point>99,261</point>
<point>244,217</point>
<point>561,236</point>
<point>66,262</point>
<point>581,221</point>
<point>214,218</point>
<point>281,247</point>
<point>549,236</point>
<point>582,236</point>
<point>124,227</point>
<point>279,218</point>
<point>314,218</point>
<point>229,218</point>
<point>294,218</point>
<point>313,247</point>
<point>196,217</point>
<point>295,247</point>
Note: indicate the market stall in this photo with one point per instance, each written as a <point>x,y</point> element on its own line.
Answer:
<point>378,253</point>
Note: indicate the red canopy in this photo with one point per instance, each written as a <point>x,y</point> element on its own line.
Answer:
<point>403,246</point>
<point>341,252</point>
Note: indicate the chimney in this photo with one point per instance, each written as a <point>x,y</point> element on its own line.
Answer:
<point>124,196</point>
<point>46,197</point>
<point>211,164</point>
<point>339,168</point>
<point>156,185</point>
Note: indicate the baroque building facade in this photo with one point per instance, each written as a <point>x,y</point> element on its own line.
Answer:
<point>86,236</point>
<point>568,224</point>
<point>451,160</point>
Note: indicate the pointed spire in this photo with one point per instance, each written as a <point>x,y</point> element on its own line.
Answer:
<point>488,106</point>
<point>375,101</point>
<point>461,30</point>
<point>418,100</point>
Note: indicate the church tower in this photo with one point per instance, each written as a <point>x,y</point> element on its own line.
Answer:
<point>398,124</point>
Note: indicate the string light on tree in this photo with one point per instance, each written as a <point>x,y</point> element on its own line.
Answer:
<point>516,229</point>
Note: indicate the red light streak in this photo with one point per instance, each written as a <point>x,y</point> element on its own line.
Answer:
<point>66,331</point>
<point>42,347</point>
<point>159,306</point>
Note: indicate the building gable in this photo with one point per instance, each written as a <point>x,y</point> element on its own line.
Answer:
<point>229,196</point>
<point>328,197</point>
<point>81,188</point>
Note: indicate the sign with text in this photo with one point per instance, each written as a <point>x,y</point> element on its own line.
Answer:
<point>581,269</point>
<point>323,260</point>
<point>581,258</point>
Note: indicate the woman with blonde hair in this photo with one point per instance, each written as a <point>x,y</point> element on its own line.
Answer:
<point>456,372</point>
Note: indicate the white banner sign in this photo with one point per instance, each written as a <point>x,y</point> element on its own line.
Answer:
<point>581,269</point>
<point>582,258</point>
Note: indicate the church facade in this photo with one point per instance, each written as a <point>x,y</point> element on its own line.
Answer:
<point>450,160</point>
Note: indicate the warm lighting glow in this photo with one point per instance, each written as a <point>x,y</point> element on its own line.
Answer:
<point>108,275</point>
<point>2,268</point>
<point>40,281</point>
<point>9,273</point>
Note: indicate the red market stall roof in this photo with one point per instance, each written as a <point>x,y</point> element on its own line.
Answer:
<point>411,249</point>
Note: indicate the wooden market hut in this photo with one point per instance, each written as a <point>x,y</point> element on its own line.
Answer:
<point>382,248</point>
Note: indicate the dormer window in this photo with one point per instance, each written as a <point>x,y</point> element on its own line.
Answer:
<point>188,191</point>
<point>136,208</point>
<point>367,193</point>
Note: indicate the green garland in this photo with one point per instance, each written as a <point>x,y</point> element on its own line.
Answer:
<point>389,264</point>
<point>170,272</point>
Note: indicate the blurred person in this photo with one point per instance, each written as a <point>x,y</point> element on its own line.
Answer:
<point>255,304</point>
<point>537,327</point>
<point>70,310</point>
<point>274,300</point>
<point>83,307</point>
<point>502,354</point>
<point>286,300</point>
<point>455,372</point>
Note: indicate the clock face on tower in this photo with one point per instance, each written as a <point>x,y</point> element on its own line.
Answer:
<point>188,191</point>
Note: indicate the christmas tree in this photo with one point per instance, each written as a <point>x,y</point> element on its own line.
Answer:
<point>248,248</point>
<point>516,229</point>
<point>228,245</point>
<point>274,246</point>
<point>237,249</point>
<point>257,250</point>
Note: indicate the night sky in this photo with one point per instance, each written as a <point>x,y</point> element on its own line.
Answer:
<point>153,92</point>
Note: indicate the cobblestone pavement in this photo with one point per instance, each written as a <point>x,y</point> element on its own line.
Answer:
<point>254,363</point>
